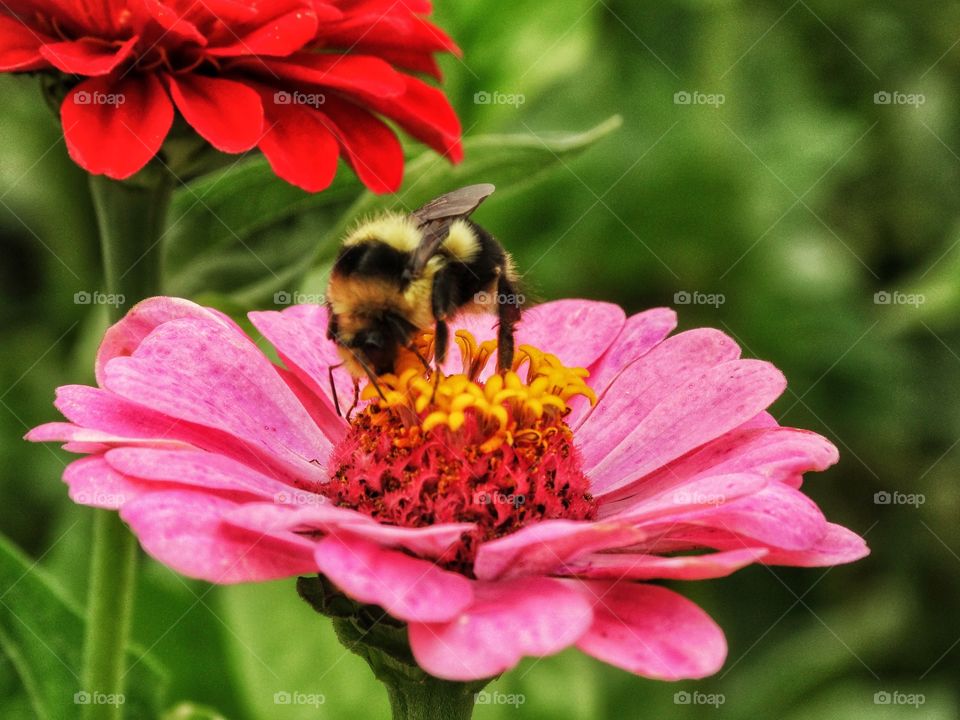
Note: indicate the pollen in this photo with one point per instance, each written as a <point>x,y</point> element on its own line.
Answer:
<point>490,449</point>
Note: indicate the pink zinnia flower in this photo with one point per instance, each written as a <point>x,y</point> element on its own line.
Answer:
<point>498,516</point>
<point>306,81</point>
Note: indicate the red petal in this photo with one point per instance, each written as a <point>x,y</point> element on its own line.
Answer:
<point>298,144</point>
<point>372,148</point>
<point>87,56</point>
<point>424,112</point>
<point>412,60</point>
<point>174,25</point>
<point>119,138</point>
<point>20,46</point>
<point>351,73</point>
<point>226,113</point>
<point>281,33</point>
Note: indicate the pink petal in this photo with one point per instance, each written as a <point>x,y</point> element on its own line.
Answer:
<point>308,513</point>
<point>87,56</point>
<point>592,325</point>
<point>646,383</point>
<point>193,467</point>
<point>299,334</point>
<point>779,453</point>
<point>183,529</point>
<point>406,587</point>
<point>707,406</point>
<point>137,119</point>
<point>637,566</point>
<point>70,433</point>
<point>126,334</point>
<point>531,616</point>
<point>684,495</point>
<point>640,334</point>
<point>777,515</point>
<point>94,483</point>
<point>228,114</point>
<point>652,631</point>
<point>202,372</point>
<point>837,546</point>
<point>540,548</point>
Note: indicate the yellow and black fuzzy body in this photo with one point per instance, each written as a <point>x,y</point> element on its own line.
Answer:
<point>398,274</point>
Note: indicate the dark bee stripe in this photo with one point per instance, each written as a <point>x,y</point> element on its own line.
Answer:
<point>371,259</point>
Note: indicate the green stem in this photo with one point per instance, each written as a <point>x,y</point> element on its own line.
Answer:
<point>130,217</point>
<point>414,695</point>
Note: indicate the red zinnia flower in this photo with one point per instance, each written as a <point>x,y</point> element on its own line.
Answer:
<point>303,80</point>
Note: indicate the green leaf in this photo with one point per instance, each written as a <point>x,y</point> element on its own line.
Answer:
<point>190,711</point>
<point>41,636</point>
<point>507,161</point>
<point>243,232</point>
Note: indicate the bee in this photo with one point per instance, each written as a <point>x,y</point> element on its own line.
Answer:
<point>400,274</point>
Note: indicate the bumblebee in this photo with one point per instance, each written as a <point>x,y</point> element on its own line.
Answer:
<point>399,274</point>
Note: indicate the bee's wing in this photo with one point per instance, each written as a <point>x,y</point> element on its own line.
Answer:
<point>435,218</point>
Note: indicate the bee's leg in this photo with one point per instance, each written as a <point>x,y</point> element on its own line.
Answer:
<point>508,312</point>
<point>356,398</point>
<point>441,300</point>
<point>333,389</point>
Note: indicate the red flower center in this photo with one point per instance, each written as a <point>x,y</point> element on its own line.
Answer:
<point>449,449</point>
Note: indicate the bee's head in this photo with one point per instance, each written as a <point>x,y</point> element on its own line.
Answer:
<point>371,339</point>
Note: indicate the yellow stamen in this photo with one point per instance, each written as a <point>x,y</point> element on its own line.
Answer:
<point>517,405</point>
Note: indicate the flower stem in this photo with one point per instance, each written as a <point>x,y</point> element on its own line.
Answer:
<point>414,694</point>
<point>130,217</point>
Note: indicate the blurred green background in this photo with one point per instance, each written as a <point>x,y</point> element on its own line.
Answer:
<point>781,199</point>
